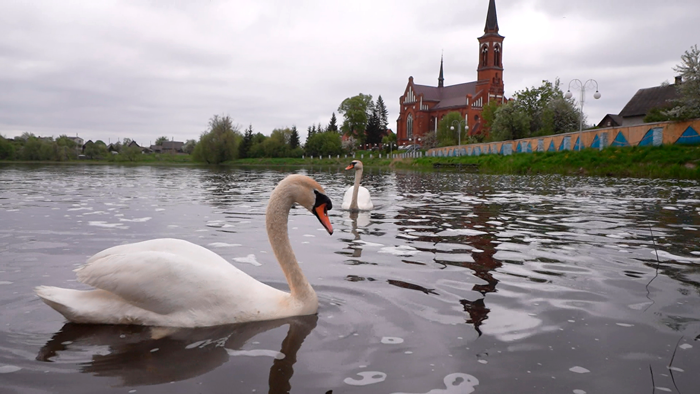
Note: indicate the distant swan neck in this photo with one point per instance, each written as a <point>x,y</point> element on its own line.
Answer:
<point>276,220</point>
<point>356,189</point>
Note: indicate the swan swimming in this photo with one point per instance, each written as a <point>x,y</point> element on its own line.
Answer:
<point>357,197</point>
<point>175,283</point>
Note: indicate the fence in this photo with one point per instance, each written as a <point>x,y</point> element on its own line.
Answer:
<point>648,134</point>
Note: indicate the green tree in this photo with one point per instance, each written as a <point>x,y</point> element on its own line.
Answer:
<point>161,140</point>
<point>448,137</point>
<point>220,143</point>
<point>96,150</point>
<point>510,123</point>
<point>374,132</point>
<point>323,144</point>
<point>687,106</point>
<point>355,112</point>
<point>188,147</point>
<point>66,148</point>
<point>32,149</point>
<point>333,125</point>
<point>294,138</point>
<point>383,114</point>
<point>549,112</point>
<point>130,153</point>
<point>246,143</point>
<point>7,149</point>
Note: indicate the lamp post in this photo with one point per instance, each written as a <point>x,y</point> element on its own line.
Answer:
<point>581,86</point>
<point>459,123</point>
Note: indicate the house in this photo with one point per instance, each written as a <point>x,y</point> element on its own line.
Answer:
<point>172,147</point>
<point>645,100</point>
<point>421,107</point>
<point>78,141</point>
<point>610,120</point>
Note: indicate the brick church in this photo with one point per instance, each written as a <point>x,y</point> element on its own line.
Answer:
<point>422,106</point>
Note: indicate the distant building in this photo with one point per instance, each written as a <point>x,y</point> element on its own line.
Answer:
<point>642,102</point>
<point>168,147</point>
<point>422,106</point>
<point>610,120</point>
<point>78,141</point>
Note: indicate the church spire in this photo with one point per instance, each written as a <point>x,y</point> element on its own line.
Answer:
<point>441,79</point>
<point>491,19</point>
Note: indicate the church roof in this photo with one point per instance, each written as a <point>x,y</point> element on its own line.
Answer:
<point>491,18</point>
<point>649,98</point>
<point>448,96</point>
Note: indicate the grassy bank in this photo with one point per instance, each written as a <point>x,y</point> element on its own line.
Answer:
<point>667,162</point>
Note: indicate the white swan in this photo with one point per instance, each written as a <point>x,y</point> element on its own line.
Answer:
<point>357,197</point>
<point>174,283</point>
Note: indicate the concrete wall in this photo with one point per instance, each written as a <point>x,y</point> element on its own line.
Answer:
<point>643,135</point>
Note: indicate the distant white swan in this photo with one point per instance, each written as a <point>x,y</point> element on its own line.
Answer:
<point>357,197</point>
<point>174,283</point>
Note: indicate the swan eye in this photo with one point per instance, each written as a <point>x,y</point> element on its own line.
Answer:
<point>322,199</point>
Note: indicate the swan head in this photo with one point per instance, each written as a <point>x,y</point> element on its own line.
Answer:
<point>354,165</point>
<point>322,205</point>
<point>309,194</point>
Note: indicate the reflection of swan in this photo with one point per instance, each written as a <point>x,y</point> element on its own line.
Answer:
<point>169,282</point>
<point>357,197</point>
<point>144,355</point>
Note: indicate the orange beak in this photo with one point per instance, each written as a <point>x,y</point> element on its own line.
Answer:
<point>322,215</point>
<point>350,167</point>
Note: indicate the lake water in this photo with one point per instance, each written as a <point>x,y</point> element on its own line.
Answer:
<point>455,283</point>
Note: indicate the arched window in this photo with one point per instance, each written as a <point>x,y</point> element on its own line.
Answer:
<point>497,55</point>
<point>484,54</point>
<point>409,127</point>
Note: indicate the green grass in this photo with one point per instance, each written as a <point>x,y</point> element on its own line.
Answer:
<point>666,161</point>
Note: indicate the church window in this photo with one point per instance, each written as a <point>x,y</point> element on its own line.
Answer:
<point>484,54</point>
<point>409,127</point>
<point>497,55</point>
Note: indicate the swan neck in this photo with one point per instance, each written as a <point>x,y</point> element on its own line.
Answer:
<point>356,189</point>
<point>276,220</point>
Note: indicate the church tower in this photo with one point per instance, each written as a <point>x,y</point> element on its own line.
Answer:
<point>490,70</point>
<point>422,107</point>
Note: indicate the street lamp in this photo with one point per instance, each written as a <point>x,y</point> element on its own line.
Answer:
<point>459,123</point>
<point>581,86</point>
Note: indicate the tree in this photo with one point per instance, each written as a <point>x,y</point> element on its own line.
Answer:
<point>246,143</point>
<point>333,125</point>
<point>294,138</point>
<point>95,150</point>
<point>188,147</point>
<point>323,144</point>
<point>130,153</point>
<point>448,137</point>
<point>161,140</point>
<point>354,110</point>
<point>220,143</point>
<point>548,110</point>
<point>374,132</point>
<point>510,123</point>
<point>380,107</point>
<point>687,106</point>
<point>7,149</point>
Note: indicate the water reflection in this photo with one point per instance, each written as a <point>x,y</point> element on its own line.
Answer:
<point>139,355</point>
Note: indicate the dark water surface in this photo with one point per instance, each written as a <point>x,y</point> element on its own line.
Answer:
<point>455,283</point>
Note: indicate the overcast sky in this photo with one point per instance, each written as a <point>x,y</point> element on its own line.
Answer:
<point>141,69</point>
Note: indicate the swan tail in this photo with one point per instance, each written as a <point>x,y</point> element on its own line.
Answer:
<point>59,299</point>
<point>88,306</point>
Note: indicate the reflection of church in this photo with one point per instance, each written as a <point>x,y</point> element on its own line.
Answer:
<point>421,106</point>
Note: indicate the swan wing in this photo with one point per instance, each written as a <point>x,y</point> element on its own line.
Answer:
<point>165,282</point>
<point>364,201</point>
<point>175,246</point>
<point>347,198</point>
